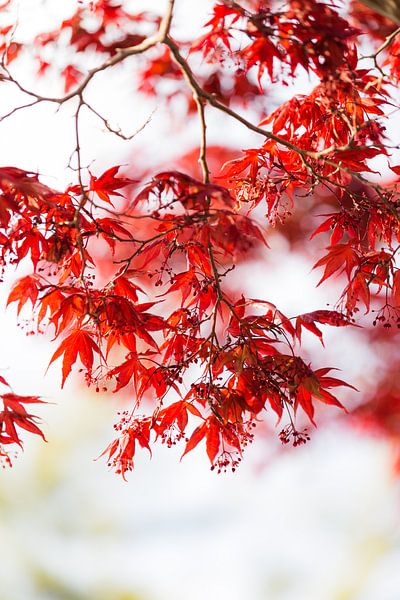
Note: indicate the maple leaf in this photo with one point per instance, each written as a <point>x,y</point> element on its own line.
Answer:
<point>198,434</point>
<point>110,229</point>
<point>311,387</point>
<point>72,76</point>
<point>325,317</point>
<point>219,31</point>
<point>358,289</point>
<point>23,290</point>
<point>3,381</point>
<point>121,451</point>
<point>15,415</point>
<point>396,288</point>
<point>107,184</point>
<point>172,417</point>
<point>213,440</point>
<point>262,53</point>
<point>79,342</point>
<point>132,368</point>
<point>396,169</point>
<point>342,257</point>
<point>23,182</point>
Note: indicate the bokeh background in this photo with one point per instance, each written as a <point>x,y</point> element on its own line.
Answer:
<point>319,522</point>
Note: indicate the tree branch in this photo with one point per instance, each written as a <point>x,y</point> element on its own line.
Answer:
<point>120,56</point>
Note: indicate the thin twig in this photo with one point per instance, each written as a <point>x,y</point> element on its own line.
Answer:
<point>118,132</point>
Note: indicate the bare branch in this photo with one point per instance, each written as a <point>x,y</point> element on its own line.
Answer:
<point>118,132</point>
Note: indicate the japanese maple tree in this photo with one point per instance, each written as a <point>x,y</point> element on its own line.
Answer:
<point>160,315</point>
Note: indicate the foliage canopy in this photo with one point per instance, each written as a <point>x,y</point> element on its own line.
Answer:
<point>159,316</point>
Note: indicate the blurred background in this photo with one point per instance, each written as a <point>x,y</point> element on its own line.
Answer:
<point>318,522</point>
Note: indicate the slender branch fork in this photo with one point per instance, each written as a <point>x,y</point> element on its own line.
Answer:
<point>390,38</point>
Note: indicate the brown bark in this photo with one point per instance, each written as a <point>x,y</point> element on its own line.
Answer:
<point>387,8</point>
